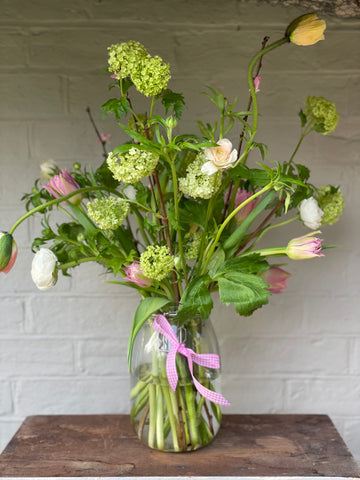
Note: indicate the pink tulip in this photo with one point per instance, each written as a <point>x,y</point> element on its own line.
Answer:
<point>276,278</point>
<point>63,184</point>
<point>241,196</point>
<point>304,247</point>
<point>134,274</point>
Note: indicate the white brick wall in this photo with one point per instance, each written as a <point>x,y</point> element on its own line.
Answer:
<point>63,351</point>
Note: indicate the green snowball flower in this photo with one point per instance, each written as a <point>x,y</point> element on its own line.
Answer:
<point>197,184</point>
<point>125,58</point>
<point>192,245</point>
<point>331,203</point>
<point>108,213</point>
<point>132,166</point>
<point>156,262</point>
<point>322,114</point>
<point>152,77</point>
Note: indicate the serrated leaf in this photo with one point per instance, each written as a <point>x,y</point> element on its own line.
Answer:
<point>217,259</point>
<point>196,299</point>
<point>247,292</point>
<point>304,172</point>
<point>117,106</point>
<point>147,307</point>
<point>252,264</point>
<point>173,100</point>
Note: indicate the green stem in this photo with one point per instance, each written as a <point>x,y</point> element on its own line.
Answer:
<point>270,227</point>
<point>159,418</point>
<point>152,420</point>
<point>227,220</point>
<point>262,52</point>
<point>267,252</point>
<point>166,391</point>
<point>209,211</point>
<point>177,214</point>
<point>65,266</point>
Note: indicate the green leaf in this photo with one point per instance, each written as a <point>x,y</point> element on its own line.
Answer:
<point>173,100</point>
<point>256,176</point>
<point>83,219</point>
<point>304,172</point>
<point>247,291</point>
<point>196,299</point>
<point>147,307</point>
<point>252,264</point>
<point>118,107</point>
<point>234,241</point>
<point>217,259</point>
<point>303,118</point>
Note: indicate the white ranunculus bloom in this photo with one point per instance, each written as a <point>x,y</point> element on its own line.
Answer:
<point>47,169</point>
<point>221,157</point>
<point>43,269</point>
<point>310,213</point>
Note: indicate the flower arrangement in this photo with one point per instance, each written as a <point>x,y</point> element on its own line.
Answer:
<point>178,216</point>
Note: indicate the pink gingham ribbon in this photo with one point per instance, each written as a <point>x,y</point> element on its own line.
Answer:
<point>210,360</point>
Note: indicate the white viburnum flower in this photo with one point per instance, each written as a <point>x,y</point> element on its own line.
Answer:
<point>220,157</point>
<point>310,213</point>
<point>43,269</point>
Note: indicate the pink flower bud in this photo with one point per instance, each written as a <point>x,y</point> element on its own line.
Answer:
<point>257,81</point>
<point>276,278</point>
<point>63,184</point>
<point>104,137</point>
<point>304,247</point>
<point>241,196</point>
<point>135,275</point>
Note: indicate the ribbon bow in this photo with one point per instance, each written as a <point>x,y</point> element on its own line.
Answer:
<point>210,360</point>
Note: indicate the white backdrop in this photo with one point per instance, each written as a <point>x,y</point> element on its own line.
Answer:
<point>63,351</point>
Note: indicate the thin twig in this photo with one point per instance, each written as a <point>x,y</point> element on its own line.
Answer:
<point>103,142</point>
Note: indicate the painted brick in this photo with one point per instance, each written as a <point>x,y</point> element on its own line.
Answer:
<point>335,315</point>
<point>282,316</point>
<point>284,355</point>
<point>12,49</point>
<point>12,315</point>
<point>103,357</point>
<point>335,396</point>
<point>352,437</point>
<point>89,316</point>
<point>252,395</point>
<point>27,95</point>
<point>7,429</point>
<point>29,356</point>
<point>76,396</point>
<point>5,398</point>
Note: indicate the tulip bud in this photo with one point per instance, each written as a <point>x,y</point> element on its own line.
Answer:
<point>304,247</point>
<point>306,30</point>
<point>8,252</point>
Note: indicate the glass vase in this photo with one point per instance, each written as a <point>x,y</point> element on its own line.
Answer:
<point>180,420</point>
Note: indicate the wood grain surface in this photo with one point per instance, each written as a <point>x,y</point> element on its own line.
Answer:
<point>247,445</point>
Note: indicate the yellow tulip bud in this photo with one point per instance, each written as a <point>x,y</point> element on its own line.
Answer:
<point>306,30</point>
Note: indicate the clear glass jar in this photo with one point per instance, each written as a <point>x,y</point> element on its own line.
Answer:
<point>177,421</point>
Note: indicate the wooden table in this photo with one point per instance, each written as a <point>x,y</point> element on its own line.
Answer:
<point>246,446</point>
